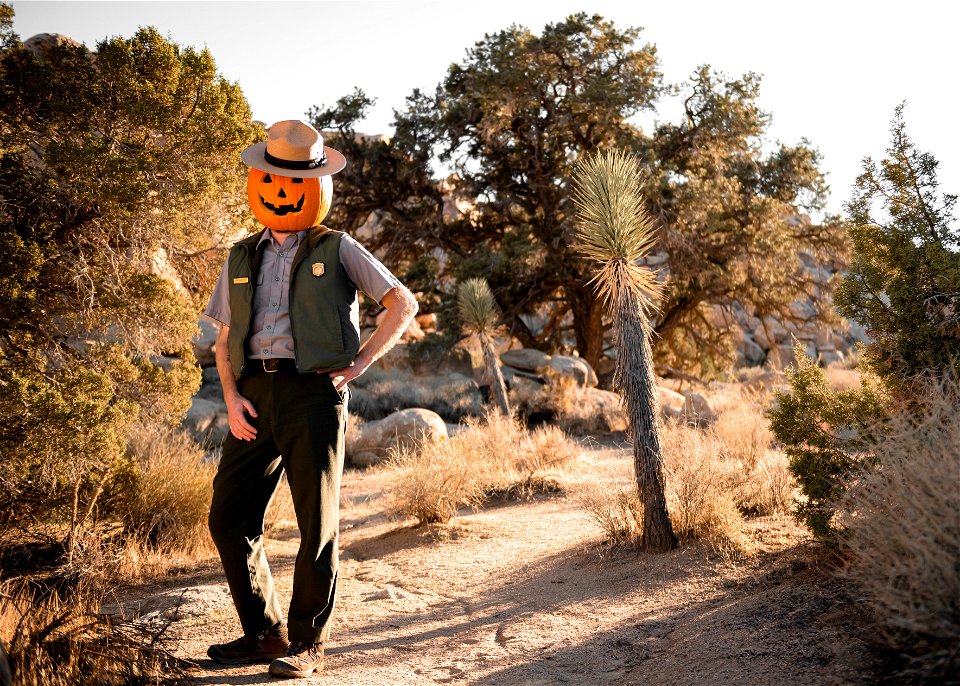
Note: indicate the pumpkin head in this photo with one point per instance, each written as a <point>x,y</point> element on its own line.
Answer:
<point>288,203</point>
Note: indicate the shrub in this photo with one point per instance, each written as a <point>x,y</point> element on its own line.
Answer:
<point>68,642</point>
<point>743,431</point>
<point>617,513</point>
<point>701,489</point>
<point>493,455</point>
<point>902,529</point>
<point>825,434</point>
<point>165,498</point>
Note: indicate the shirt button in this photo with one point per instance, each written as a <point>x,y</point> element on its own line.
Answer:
<point>264,350</point>
<point>269,328</point>
<point>276,278</point>
<point>273,304</point>
<point>280,254</point>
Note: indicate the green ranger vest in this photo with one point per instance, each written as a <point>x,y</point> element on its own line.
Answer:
<point>324,310</point>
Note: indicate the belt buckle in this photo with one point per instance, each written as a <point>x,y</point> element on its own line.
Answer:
<point>270,365</point>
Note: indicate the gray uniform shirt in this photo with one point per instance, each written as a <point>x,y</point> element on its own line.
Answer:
<point>270,334</point>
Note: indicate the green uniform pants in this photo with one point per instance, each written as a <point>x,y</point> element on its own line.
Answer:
<point>300,429</point>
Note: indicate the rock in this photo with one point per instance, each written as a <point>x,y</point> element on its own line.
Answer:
<point>510,376</point>
<point>751,353</point>
<point>607,406</point>
<point>575,368</point>
<point>671,402</point>
<point>526,359</point>
<point>210,387</point>
<point>427,322</point>
<point>204,343</point>
<point>400,429</point>
<point>696,408</point>
<point>781,357</point>
<point>43,43</point>
<point>202,416</point>
<point>829,356</point>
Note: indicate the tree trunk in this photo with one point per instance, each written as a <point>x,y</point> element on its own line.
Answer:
<point>498,388</point>
<point>587,322</point>
<point>634,380</point>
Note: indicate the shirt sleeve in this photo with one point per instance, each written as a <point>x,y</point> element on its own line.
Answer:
<point>365,270</point>
<point>218,309</point>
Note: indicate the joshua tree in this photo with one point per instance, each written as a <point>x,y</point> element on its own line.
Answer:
<point>614,230</point>
<point>479,315</point>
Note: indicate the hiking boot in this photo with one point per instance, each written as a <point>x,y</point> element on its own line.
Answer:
<point>302,660</point>
<point>271,643</point>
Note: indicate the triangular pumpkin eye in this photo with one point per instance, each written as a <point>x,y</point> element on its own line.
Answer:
<point>298,180</point>
<point>267,179</point>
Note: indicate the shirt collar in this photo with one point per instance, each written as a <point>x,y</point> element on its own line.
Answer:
<point>267,235</point>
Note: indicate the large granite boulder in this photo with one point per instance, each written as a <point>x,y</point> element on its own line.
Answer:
<point>575,368</point>
<point>398,430</point>
<point>671,402</point>
<point>608,409</point>
<point>526,359</point>
<point>204,343</point>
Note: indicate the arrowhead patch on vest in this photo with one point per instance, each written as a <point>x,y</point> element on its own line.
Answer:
<point>318,268</point>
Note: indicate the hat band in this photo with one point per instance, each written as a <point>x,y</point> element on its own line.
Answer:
<point>296,164</point>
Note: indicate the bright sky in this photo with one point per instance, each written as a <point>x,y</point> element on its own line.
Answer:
<point>832,71</point>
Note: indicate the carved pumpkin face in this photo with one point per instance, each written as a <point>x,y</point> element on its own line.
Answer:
<point>288,203</point>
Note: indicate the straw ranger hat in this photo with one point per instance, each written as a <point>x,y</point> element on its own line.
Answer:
<point>293,148</point>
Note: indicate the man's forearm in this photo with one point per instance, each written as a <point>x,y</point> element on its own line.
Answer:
<point>224,367</point>
<point>401,307</point>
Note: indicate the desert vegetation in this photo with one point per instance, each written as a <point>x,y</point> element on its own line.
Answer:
<point>585,383</point>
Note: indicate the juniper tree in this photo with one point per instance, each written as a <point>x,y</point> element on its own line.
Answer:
<point>513,116</point>
<point>119,173</point>
<point>479,314</point>
<point>613,232</point>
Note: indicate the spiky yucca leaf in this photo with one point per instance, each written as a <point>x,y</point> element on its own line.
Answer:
<point>478,310</point>
<point>613,227</point>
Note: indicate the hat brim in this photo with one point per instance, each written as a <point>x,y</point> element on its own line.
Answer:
<point>253,157</point>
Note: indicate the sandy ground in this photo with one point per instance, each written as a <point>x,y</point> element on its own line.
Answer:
<point>527,593</point>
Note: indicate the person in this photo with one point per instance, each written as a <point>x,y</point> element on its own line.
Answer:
<point>288,346</point>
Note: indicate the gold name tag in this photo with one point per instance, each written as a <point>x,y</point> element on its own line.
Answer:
<point>241,279</point>
<point>318,268</point>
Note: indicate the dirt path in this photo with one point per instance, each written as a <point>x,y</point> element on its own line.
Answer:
<point>524,593</point>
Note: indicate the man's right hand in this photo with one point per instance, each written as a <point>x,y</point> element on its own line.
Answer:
<point>237,409</point>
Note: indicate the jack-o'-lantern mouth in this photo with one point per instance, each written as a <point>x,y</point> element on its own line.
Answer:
<point>281,210</point>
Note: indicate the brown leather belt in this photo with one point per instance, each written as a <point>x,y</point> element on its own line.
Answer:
<point>270,365</point>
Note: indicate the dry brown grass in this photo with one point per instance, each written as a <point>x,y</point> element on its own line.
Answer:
<point>702,487</point>
<point>743,430</point>
<point>714,476</point>
<point>902,529</point>
<point>492,456</point>
<point>166,503</point>
<point>68,642</point>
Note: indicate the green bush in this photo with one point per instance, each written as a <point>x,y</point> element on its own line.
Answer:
<point>825,435</point>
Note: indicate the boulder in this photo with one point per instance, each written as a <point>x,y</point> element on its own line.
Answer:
<point>210,387</point>
<point>696,408</point>
<point>575,368</point>
<point>427,322</point>
<point>671,402</point>
<point>526,359</point>
<point>607,407</point>
<point>829,356</point>
<point>751,353</point>
<point>400,429</point>
<point>204,343</point>
<point>203,416</point>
